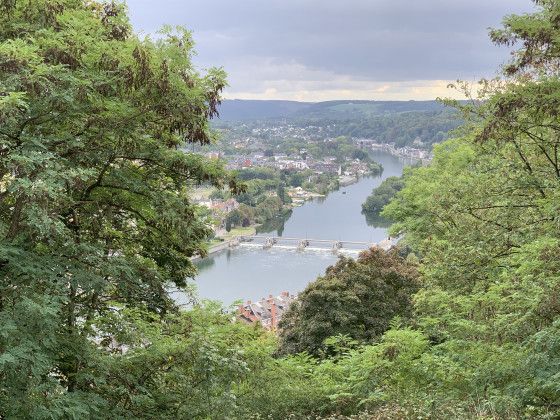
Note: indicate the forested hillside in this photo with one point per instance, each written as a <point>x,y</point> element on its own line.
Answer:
<point>244,109</point>
<point>248,110</point>
<point>461,321</point>
<point>343,110</point>
<point>398,122</point>
<point>402,129</point>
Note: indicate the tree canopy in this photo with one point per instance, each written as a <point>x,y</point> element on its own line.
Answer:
<point>382,195</point>
<point>93,202</point>
<point>357,298</point>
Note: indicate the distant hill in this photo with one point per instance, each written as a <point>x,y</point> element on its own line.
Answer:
<point>350,110</point>
<point>400,122</point>
<point>246,110</point>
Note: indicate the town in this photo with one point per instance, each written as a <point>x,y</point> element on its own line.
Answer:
<point>285,165</point>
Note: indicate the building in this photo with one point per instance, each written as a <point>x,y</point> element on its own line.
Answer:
<point>225,206</point>
<point>266,311</point>
<point>214,155</point>
<point>325,167</point>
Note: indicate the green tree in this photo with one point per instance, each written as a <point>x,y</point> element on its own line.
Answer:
<point>218,195</point>
<point>382,195</point>
<point>359,154</point>
<point>269,208</point>
<point>484,219</point>
<point>187,371</point>
<point>94,210</point>
<point>282,194</point>
<point>296,179</point>
<point>234,218</point>
<point>357,298</point>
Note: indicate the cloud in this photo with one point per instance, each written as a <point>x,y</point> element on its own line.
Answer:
<point>319,48</point>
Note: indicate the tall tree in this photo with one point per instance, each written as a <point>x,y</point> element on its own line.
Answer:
<point>94,211</point>
<point>484,217</point>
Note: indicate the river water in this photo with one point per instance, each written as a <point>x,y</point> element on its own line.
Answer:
<point>252,273</point>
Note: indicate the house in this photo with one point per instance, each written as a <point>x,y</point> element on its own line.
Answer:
<point>225,206</point>
<point>204,202</point>
<point>268,312</point>
<point>325,167</point>
<point>214,155</point>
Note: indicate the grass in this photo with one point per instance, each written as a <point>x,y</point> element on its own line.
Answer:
<point>239,231</point>
<point>202,192</point>
<point>214,242</point>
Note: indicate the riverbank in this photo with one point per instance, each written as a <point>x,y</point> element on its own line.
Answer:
<point>300,197</point>
<point>227,240</point>
<point>252,272</point>
<point>404,152</point>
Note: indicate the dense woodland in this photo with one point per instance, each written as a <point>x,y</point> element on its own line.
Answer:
<point>404,129</point>
<point>418,125</point>
<point>95,221</point>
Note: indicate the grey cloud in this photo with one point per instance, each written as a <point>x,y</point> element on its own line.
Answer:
<point>374,40</point>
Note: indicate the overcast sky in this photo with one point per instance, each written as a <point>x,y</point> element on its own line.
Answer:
<point>315,50</point>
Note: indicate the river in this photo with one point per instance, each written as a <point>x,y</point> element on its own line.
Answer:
<point>251,273</point>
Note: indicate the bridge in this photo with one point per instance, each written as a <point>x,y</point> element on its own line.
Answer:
<point>316,244</point>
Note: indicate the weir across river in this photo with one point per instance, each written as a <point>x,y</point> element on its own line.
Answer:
<point>315,244</point>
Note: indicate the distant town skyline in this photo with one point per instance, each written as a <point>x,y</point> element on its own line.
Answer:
<point>316,50</point>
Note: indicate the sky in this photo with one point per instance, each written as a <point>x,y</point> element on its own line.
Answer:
<point>317,50</point>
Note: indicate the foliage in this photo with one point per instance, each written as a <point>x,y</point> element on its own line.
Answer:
<point>93,205</point>
<point>95,221</point>
<point>180,367</point>
<point>382,195</point>
<point>359,154</point>
<point>357,298</point>
<point>404,129</point>
<point>484,218</point>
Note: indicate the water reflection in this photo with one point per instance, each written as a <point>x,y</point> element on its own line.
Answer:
<point>205,263</point>
<point>277,224</point>
<point>376,221</point>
